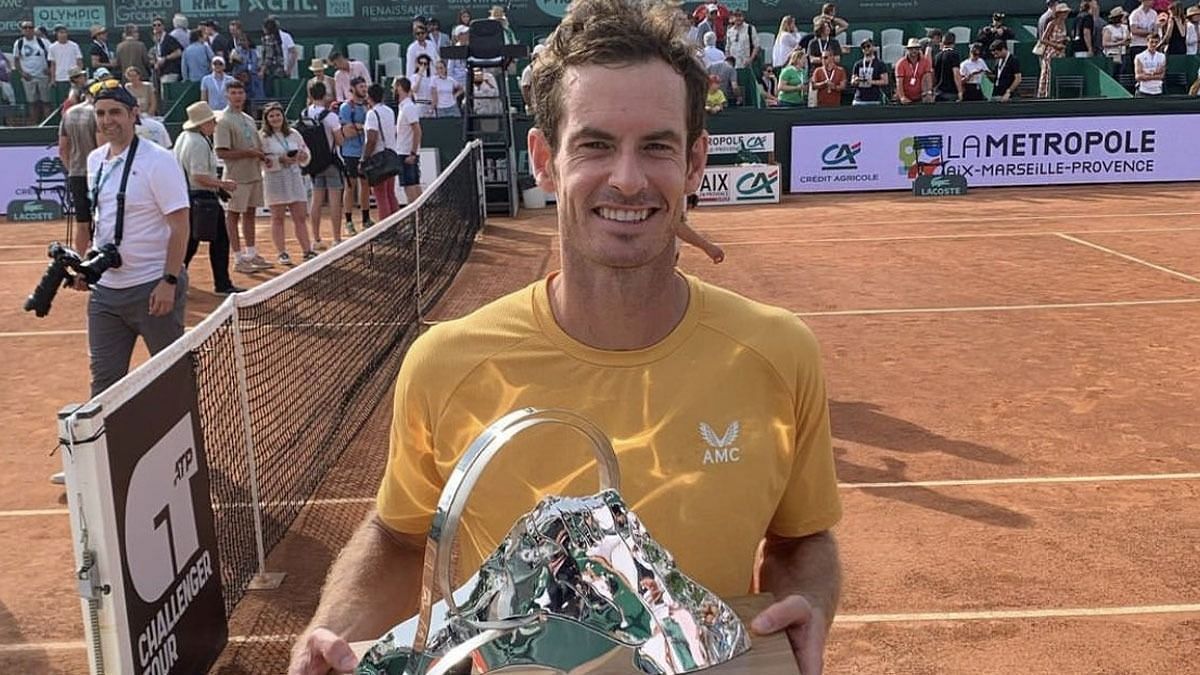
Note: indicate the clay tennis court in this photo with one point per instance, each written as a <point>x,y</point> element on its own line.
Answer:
<point>1013,380</point>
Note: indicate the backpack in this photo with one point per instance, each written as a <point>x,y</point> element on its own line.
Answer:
<point>40,42</point>
<point>321,156</point>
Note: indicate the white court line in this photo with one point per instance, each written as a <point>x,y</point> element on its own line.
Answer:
<point>942,221</point>
<point>27,513</point>
<point>64,645</point>
<point>1130,258</point>
<point>999,308</point>
<point>1035,480</point>
<point>41,333</point>
<point>994,615</point>
<point>927,237</point>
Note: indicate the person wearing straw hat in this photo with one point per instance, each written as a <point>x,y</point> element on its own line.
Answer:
<point>194,152</point>
<point>1053,45</point>
<point>914,75</point>
<point>317,67</point>
<point>100,55</point>
<point>1193,30</point>
<point>1115,40</point>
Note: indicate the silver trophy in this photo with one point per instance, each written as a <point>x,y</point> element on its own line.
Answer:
<point>577,586</point>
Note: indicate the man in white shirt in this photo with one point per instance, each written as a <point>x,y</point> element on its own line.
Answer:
<point>408,139</point>
<point>291,55</point>
<point>380,128</point>
<point>421,44</point>
<point>711,54</point>
<point>31,59</point>
<point>346,71</point>
<point>1149,68</point>
<point>151,130</point>
<point>741,40</point>
<point>64,55</point>
<point>330,179</point>
<point>1143,22</point>
<point>146,295</point>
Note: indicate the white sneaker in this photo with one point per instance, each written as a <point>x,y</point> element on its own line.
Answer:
<point>244,266</point>
<point>59,478</point>
<point>260,263</point>
<point>285,259</point>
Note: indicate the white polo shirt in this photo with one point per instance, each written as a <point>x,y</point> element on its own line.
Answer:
<point>156,188</point>
<point>65,55</point>
<point>404,131</point>
<point>1146,20</point>
<point>1150,63</point>
<point>382,120</point>
<point>416,49</point>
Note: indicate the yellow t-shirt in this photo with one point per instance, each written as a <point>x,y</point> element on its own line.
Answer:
<point>721,429</point>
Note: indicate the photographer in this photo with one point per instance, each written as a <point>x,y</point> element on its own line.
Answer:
<point>194,151</point>
<point>145,294</point>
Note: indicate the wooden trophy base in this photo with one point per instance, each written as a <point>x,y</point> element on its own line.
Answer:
<point>769,655</point>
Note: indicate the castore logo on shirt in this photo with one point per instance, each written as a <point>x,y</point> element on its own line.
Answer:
<point>721,449</point>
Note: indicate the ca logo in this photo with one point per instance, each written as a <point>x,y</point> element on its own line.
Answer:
<point>841,156</point>
<point>160,519</point>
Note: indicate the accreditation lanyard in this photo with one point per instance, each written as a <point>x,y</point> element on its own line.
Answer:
<point>102,178</point>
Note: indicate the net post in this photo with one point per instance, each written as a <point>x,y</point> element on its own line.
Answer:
<point>480,188</point>
<point>263,580</point>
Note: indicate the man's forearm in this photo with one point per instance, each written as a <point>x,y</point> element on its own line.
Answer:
<point>807,566</point>
<point>374,583</point>
<point>180,226</point>
<point>83,237</point>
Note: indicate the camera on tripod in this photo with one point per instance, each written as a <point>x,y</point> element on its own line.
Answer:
<point>66,265</point>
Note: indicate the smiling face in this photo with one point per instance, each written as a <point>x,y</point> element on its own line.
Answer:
<point>440,69</point>
<point>114,120</point>
<point>274,119</point>
<point>620,166</point>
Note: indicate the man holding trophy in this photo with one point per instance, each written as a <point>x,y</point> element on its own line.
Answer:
<point>715,404</point>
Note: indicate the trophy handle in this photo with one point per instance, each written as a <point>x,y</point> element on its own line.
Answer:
<point>436,568</point>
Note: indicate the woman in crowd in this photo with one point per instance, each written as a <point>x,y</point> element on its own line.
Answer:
<point>445,92</point>
<point>464,17</point>
<point>274,64</point>
<point>1115,40</point>
<point>422,87</point>
<point>786,41</point>
<point>973,71</point>
<point>283,184</point>
<point>142,91</point>
<point>822,40</point>
<point>1053,43</point>
<point>1175,30</point>
<point>768,86</point>
<point>793,80</point>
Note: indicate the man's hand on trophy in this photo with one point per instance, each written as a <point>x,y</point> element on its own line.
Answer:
<point>319,651</point>
<point>807,629</point>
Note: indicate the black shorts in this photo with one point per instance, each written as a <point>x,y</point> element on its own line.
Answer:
<point>350,167</point>
<point>411,175</point>
<point>81,198</point>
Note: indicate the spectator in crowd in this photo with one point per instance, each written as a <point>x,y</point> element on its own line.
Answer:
<point>496,13</point>
<point>995,31</point>
<point>287,44</point>
<point>212,87</point>
<point>1115,40</point>
<point>436,36</point>
<point>152,130</point>
<point>167,54</point>
<point>701,27</point>
<point>768,86</point>
<point>445,92</point>
<point>1046,17</point>
<point>239,145</point>
<point>828,81</point>
<point>914,75</point>
<point>828,16</point>
<point>527,77</point>
<point>408,139</point>
<point>78,136</point>
<point>786,41</point>
<point>1053,43</point>
<point>1150,68</point>
<point>345,71</point>
<point>64,55</point>
<point>464,18</point>
<point>147,294</point>
<point>1083,31</point>
<point>1193,30</point>
<point>1143,22</point>
<point>317,68</point>
<point>711,53</point>
<point>100,56</point>
<point>717,16</point>
<point>947,80</point>
<point>458,67</point>
<point>741,40</point>
<point>870,77</point>
<point>248,67</point>
<point>180,30</point>
<point>353,115</point>
<point>195,155</point>
<point>421,46</point>
<point>485,93</point>
<point>715,101</point>
<point>78,80</point>
<point>727,77</point>
<point>131,52</point>
<point>381,136</point>
<point>821,42</point>
<point>142,91</point>
<point>197,58</point>
<point>282,181</point>
<point>274,64</point>
<point>1174,33</point>
<point>222,45</point>
<point>422,83</point>
<point>793,80</point>
<point>235,31</point>
<point>31,60</point>
<point>329,183</point>
<point>1008,72</point>
<point>7,95</point>
<point>971,74</point>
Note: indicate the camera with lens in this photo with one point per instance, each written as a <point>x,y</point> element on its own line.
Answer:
<point>66,265</point>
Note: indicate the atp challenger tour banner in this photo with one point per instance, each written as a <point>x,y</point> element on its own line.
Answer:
<point>995,152</point>
<point>334,17</point>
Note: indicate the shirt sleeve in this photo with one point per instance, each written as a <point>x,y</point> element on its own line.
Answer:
<point>168,184</point>
<point>194,163</point>
<point>811,503</point>
<point>221,137</point>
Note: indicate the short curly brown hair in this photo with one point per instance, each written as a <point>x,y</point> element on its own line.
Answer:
<point>615,33</point>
